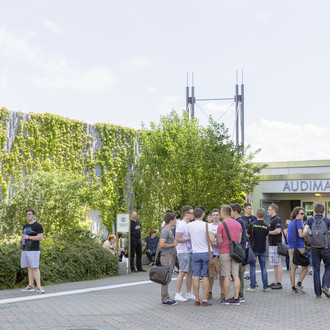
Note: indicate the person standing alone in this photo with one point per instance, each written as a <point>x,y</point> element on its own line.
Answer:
<point>30,258</point>
<point>135,244</point>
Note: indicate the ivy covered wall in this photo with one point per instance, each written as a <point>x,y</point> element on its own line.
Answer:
<point>47,142</point>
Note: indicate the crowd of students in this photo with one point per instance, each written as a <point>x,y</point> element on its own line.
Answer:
<point>187,240</point>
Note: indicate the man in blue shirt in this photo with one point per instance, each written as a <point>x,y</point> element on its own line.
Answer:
<point>297,216</point>
<point>319,254</point>
<point>236,215</point>
<point>151,243</point>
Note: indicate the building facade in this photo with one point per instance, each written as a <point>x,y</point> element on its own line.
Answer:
<point>291,184</point>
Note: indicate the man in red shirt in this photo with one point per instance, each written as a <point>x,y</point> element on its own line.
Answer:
<point>228,265</point>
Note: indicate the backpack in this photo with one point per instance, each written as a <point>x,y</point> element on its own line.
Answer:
<point>319,234</point>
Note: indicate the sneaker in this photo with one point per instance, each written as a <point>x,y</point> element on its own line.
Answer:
<point>40,289</point>
<point>294,290</point>
<point>310,272</point>
<point>300,288</point>
<point>326,291</point>
<point>241,299</point>
<point>318,296</point>
<point>247,277</point>
<point>225,301</point>
<point>28,288</point>
<point>234,302</point>
<point>277,286</point>
<point>170,302</point>
<point>209,296</point>
<point>250,290</point>
<point>141,270</point>
<point>267,290</point>
<point>178,297</point>
<point>206,303</point>
<point>190,296</point>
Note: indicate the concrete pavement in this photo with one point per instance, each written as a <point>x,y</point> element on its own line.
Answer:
<point>133,302</point>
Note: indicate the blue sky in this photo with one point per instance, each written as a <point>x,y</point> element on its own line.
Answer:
<point>126,62</point>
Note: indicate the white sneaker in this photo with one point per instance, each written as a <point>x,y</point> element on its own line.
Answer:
<point>178,297</point>
<point>190,296</point>
<point>250,290</point>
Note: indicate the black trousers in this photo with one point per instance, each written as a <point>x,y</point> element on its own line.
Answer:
<point>136,248</point>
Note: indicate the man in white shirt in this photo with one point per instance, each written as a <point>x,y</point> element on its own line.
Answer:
<point>215,214</point>
<point>184,254</point>
<point>200,257</point>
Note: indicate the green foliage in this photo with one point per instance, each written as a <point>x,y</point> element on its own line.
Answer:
<point>61,202</point>
<point>10,258</point>
<point>46,142</point>
<point>73,255</point>
<point>183,163</point>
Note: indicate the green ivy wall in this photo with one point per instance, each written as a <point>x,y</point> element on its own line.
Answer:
<point>35,142</point>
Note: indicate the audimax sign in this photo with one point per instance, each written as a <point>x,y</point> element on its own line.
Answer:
<point>295,186</point>
<point>307,186</point>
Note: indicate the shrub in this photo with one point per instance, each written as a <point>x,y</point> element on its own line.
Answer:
<point>71,256</point>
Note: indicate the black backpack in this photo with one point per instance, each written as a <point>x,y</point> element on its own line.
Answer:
<point>319,234</point>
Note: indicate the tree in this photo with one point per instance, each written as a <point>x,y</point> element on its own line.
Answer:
<point>183,163</point>
<point>61,201</point>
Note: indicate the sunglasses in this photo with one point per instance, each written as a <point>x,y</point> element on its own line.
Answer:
<point>302,213</point>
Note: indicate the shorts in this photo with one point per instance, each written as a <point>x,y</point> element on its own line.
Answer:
<point>200,263</point>
<point>185,262</point>
<point>274,257</point>
<point>30,259</point>
<point>292,265</point>
<point>228,265</point>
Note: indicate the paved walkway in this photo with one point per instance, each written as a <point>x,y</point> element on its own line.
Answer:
<point>133,302</point>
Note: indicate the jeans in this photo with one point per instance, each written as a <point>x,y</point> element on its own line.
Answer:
<point>318,255</point>
<point>200,262</point>
<point>262,262</point>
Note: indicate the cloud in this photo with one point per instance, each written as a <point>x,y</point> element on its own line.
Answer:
<point>282,141</point>
<point>58,74</point>
<point>263,16</point>
<point>54,72</point>
<point>151,89</point>
<point>53,27</point>
<point>18,48</point>
<point>168,103</point>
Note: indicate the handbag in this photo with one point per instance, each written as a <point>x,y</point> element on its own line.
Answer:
<point>283,249</point>
<point>214,263</point>
<point>159,274</point>
<point>300,259</point>
<point>249,254</point>
<point>236,251</point>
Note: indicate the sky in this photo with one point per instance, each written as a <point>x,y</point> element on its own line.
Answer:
<point>126,62</point>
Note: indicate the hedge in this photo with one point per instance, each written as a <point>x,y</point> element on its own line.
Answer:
<point>73,256</point>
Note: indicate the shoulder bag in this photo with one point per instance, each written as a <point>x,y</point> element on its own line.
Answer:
<point>159,274</point>
<point>300,259</point>
<point>214,263</point>
<point>235,249</point>
<point>283,249</point>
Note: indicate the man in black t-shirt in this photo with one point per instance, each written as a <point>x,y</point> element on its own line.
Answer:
<point>275,237</point>
<point>135,244</point>
<point>258,232</point>
<point>32,234</point>
<point>248,217</point>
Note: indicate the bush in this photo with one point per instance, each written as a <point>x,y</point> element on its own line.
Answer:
<point>72,256</point>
